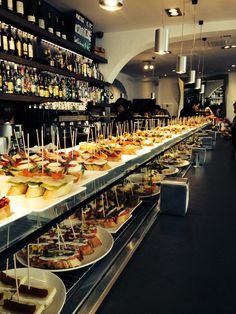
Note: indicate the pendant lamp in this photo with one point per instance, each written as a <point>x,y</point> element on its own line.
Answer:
<point>202,91</point>
<point>111,5</point>
<point>161,41</point>
<point>198,83</point>
<point>181,64</point>
<point>192,76</point>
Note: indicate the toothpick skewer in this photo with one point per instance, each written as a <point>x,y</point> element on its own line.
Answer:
<point>17,143</point>
<point>72,228</point>
<point>117,201</point>
<point>17,284</point>
<point>28,264</point>
<point>23,139</point>
<point>28,150</point>
<point>42,143</point>
<point>37,135</point>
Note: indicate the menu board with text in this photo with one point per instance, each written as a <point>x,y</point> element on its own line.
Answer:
<point>83,31</point>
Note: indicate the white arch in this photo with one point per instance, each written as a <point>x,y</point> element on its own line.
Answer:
<point>123,46</point>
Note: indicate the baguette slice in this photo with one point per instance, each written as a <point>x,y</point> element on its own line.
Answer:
<point>21,307</point>
<point>5,211</point>
<point>17,189</point>
<point>34,191</point>
<point>54,192</point>
<point>30,298</point>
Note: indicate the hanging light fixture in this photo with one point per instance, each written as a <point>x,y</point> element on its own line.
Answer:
<point>192,73</point>
<point>161,41</point>
<point>111,5</point>
<point>181,64</point>
<point>198,83</point>
<point>202,91</point>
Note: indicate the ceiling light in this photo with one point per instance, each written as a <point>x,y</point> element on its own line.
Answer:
<point>233,46</point>
<point>151,66</point>
<point>161,41</point>
<point>192,77</point>
<point>226,47</point>
<point>233,65</point>
<point>181,64</point>
<point>202,91</point>
<point>145,67</point>
<point>111,5</point>
<point>173,12</point>
<point>198,83</point>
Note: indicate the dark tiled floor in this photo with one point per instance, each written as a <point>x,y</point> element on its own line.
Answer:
<point>187,265</point>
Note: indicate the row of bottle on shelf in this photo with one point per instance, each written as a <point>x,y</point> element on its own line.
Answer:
<point>23,80</point>
<point>32,10</point>
<point>22,44</point>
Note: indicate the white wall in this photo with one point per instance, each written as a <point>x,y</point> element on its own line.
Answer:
<point>211,86</point>
<point>168,95</point>
<point>230,95</point>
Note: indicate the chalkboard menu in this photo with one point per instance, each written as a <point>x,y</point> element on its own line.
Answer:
<point>83,31</point>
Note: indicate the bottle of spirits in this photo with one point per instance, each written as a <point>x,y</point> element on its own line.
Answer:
<point>10,84</point>
<point>30,47</point>
<point>63,31</point>
<point>58,27</point>
<point>11,41</point>
<point>18,44</point>
<point>20,8</point>
<point>17,81</point>
<point>1,79</point>
<point>5,47</point>
<point>31,11</point>
<point>10,5</point>
<point>41,20</point>
<point>50,27</point>
<point>24,46</point>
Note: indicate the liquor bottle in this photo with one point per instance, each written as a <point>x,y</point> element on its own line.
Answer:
<point>41,20</point>
<point>11,41</point>
<point>18,44</point>
<point>10,83</point>
<point>24,46</point>
<point>58,27</point>
<point>1,80</point>
<point>20,8</point>
<point>1,48</point>
<point>50,27</point>
<point>17,80</point>
<point>5,47</point>
<point>46,87</point>
<point>56,87</point>
<point>30,47</point>
<point>33,82</point>
<point>10,5</point>
<point>41,86</point>
<point>63,32</point>
<point>31,11</point>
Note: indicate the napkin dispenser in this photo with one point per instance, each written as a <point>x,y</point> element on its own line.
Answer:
<point>198,153</point>
<point>207,142</point>
<point>174,196</point>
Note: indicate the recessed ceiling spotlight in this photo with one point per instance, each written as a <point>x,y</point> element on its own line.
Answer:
<point>173,12</point>
<point>227,47</point>
<point>165,74</point>
<point>145,67</point>
<point>173,70</point>
<point>233,65</point>
<point>233,46</point>
<point>151,66</point>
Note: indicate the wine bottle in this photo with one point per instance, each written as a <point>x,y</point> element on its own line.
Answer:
<point>18,44</point>
<point>30,47</point>
<point>10,6</point>
<point>4,39</point>
<point>1,48</point>
<point>50,27</point>
<point>11,41</point>
<point>58,27</point>
<point>41,20</point>
<point>10,84</point>
<point>17,80</point>
<point>1,80</point>
<point>31,11</point>
<point>24,46</point>
<point>63,32</point>
<point>20,8</point>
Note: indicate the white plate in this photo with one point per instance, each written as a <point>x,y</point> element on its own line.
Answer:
<point>171,171</point>
<point>182,163</point>
<point>44,279</point>
<point>156,192</point>
<point>115,164</point>
<point>22,206</point>
<point>99,252</point>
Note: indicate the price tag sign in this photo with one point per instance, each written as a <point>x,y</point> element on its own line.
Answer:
<point>83,31</point>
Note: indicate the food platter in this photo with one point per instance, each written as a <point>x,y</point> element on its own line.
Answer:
<point>44,279</point>
<point>100,252</point>
<point>170,171</point>
<point>90,175</point>
<point>182,163</point>
<point>118,227</point>
<point>154,193</point>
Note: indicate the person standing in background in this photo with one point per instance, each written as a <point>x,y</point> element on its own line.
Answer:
<point>190,111</point>
<point>122,109</point>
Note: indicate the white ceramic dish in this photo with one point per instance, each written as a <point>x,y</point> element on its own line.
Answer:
<point>44,279</point>
<point>170,171</point>
<point>99,252</point>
